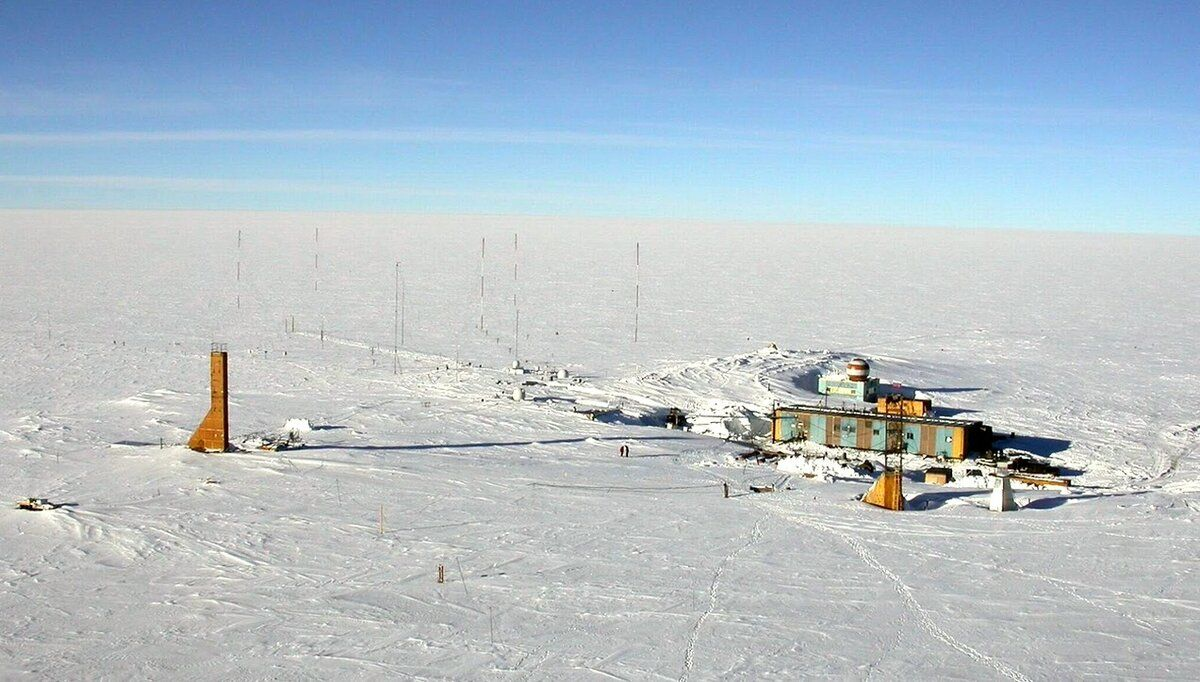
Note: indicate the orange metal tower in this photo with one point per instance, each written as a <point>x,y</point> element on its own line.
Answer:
<point>213,433</point>
<point>888,491</point>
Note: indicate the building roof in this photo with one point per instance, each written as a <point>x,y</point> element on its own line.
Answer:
<point>865,413</point>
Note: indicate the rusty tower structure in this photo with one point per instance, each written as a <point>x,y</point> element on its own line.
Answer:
<point>213,433</point>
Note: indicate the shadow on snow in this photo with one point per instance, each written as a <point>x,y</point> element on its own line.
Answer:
<point>492,444</point>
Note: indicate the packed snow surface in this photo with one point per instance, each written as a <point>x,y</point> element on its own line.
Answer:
<point>562,559</point>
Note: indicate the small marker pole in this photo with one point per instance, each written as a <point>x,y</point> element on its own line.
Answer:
<point>381,519</point>
<point>725,486</point>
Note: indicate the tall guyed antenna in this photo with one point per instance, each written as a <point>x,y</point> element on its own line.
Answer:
<point>396,325</point>
<point>482,252</point>
<point>316,277</point>
<point>516,307</point>
<point>637,287</point>
<point>239,270</point>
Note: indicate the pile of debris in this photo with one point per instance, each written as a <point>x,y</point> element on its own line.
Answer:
<point>36,504</point>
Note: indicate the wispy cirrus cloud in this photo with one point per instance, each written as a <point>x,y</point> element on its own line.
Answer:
<point>185,184</point>
<point>531,190</point>
<point>950,106</point>
<point>120,91</point>
<point>691,137</point>
<point>398,135</point>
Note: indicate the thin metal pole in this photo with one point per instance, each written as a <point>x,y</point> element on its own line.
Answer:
<point>637,287</point>
<point>482,253</point>
<point>396,324</point>
<point>516,306</point>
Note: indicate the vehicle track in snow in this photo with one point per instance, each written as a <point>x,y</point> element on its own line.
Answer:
<point>1183,443</point>
<point>908,598</point>
<point>1071,588</point>
<point>713,589</point>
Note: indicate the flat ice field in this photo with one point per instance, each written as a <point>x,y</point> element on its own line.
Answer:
<point>562,559</point>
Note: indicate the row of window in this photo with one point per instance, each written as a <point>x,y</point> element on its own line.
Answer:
<point>849,429</point>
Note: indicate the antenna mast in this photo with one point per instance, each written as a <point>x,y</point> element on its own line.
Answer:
<point>396,324</point>
<point>637,287</point>
<point>516,307</point>
<point>482,253</point>
<point>316,277</point>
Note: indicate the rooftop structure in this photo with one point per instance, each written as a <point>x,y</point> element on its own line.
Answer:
<point>856,383</point>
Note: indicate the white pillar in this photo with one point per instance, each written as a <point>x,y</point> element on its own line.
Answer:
<point>1002,496</point>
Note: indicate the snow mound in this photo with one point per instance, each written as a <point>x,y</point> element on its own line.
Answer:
<point>297,426</point>
<point>820,468</point>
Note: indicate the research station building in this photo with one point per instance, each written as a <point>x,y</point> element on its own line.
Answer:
<point>871,430</point>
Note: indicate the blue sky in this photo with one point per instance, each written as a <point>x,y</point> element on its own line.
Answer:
<point>1080,116</point>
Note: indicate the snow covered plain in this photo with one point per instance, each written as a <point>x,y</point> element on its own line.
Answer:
<point>562,559</point>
